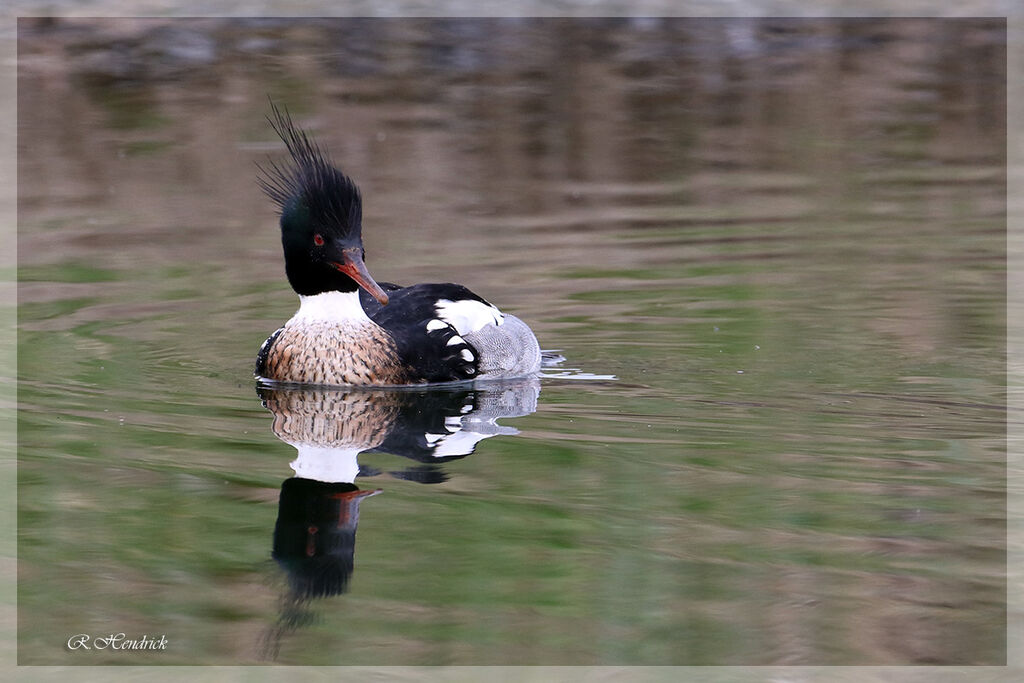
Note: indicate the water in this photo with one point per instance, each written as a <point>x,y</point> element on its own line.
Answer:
<point>772,254</point>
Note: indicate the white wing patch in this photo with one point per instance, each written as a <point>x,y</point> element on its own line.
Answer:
<point>468,315</point>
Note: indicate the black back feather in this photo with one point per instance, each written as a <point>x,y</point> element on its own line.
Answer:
<point>428,352</point>
<point>331,198</point>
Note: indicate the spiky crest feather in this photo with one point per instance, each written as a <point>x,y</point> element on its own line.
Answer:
<point>331,198</point>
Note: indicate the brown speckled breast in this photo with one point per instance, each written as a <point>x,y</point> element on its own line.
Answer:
<point>360,354</point>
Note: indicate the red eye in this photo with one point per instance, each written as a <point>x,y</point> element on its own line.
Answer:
<point>318,240</point>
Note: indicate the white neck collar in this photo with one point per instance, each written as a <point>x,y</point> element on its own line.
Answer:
<point>332,307</point>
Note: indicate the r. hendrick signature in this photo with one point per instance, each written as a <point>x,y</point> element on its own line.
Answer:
<point>115,641</point>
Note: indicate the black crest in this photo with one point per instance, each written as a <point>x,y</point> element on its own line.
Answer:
<point>329,196</point>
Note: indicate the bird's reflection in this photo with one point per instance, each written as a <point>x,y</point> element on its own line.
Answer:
<point>318,510</point>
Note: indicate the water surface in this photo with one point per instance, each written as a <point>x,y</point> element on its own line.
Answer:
<point>785,240</point>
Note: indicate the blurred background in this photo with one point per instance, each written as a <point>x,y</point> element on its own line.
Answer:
<point>785,239</point>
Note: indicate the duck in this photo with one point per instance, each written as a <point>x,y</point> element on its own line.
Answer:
<point>351,330</point>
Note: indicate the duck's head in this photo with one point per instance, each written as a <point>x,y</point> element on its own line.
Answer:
<point>321,217</point>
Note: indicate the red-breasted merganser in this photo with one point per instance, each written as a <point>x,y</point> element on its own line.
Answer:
<point>350,330</point>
